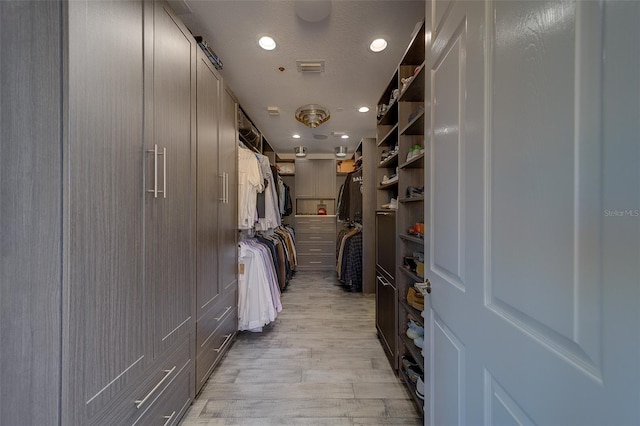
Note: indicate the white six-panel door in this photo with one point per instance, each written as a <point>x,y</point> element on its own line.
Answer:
<point>534,315</point>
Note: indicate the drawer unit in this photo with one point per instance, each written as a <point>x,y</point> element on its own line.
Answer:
<point>169,407</point>
<point>132,407</point>
<point>316,242</point>
<point>212,319</point>
<point>216,345</point>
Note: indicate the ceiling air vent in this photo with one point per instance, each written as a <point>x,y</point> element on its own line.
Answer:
<point>310,66</point>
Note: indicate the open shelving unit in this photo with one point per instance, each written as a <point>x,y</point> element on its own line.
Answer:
<point>401,130</point>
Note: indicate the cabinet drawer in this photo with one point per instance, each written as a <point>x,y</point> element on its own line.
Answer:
<point>312,261</point>
<point>171,404</point>
<point>315,238</point>
<point>302,221</point>
<point>320,247</point>
<point>206,326</point>
<point>218,343</point>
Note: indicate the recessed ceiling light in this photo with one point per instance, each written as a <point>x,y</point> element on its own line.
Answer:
<point>378,45</point>
<point>345,136</point>
<point>363,109</point>
<point>267,43</point>
<point>296,136</point>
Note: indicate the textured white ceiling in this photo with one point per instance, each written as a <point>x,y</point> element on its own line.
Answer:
<point>353,75</point>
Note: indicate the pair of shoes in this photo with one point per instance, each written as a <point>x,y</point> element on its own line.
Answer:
<point>393,204</point>
<point>419,341</point>
<point>413,191</point>
<point>415,299</point>
<point>411,369</point>
<point>387,180</point>
<point>420,388</point>
<point>414,330</point>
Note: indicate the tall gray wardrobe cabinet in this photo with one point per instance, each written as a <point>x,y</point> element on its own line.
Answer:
<point>99,212</point>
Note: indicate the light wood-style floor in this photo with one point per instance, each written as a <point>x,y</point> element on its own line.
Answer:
<point>319,363</point>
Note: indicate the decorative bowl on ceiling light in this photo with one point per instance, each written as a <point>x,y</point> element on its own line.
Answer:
<point>301,151</point>
<point>312,115</point>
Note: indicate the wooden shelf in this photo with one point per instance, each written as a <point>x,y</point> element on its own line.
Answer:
<point>415,91</point>
<point>388,185</point>
<point>389,162</point>
<point>415,127</point>
<point>417,318</point>
<point>388,137</point>
<point>411,199</point>
<point>391,116</point>
<point>412,390</point>
<point>410,274</point>
<point>412,239</point>
<point>413,350</point>
<point>416,162</point>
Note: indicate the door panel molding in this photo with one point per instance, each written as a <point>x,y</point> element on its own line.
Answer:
<point>447,358</point>
<point>499,407</point>
<point>447,165</point>
<point>570,209</point>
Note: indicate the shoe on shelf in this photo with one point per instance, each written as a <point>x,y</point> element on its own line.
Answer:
<point>415,299</point>
<point>420,388</point>
<point>419,342</point>
<point>418,330</point>
<point>412,333</point>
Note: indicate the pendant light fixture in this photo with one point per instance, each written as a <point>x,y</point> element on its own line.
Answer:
<point>312,115</point>
<point>341,151</point>
<point>301,151</point>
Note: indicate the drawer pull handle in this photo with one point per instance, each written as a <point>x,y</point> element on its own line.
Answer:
<point>140,402</point>
<point>315,249</point>
<point>169,418</point>
<point>315,262</point>
<point>223,314</point>
<point>315,238</point>
<point>226,339</point>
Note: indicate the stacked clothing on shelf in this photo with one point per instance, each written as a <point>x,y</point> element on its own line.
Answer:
<point>349,258</point>
<point>267,262</point>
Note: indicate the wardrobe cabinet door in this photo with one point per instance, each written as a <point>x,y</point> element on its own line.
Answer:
<point>227,226</point>
<point>305,178</point>
<point>30,216</point>
<point>325,178</point>
<point>169,224</point>
<point>105,321</point>
<point>209,187</point>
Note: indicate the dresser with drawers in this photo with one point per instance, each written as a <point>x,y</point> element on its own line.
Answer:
<point>316,242</point>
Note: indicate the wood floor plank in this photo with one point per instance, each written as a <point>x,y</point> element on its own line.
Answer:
<point>319,363</point>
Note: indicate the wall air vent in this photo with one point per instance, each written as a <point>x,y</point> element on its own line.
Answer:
<point>310,66</point>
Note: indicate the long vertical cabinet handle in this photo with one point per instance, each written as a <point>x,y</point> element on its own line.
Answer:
<point>221,199</point>
<point>226,194</point>
<point>224,188</point>
<point>164,172</point>
<point>155,171</point>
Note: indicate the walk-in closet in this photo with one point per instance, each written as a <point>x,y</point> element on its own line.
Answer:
<point>319,212</point>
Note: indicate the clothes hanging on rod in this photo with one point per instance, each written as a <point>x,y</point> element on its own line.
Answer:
<point>250,183</point>
<point>349,257</point>
<point>350,197</point>
<point>267,262</point>
<point>258,292</point>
